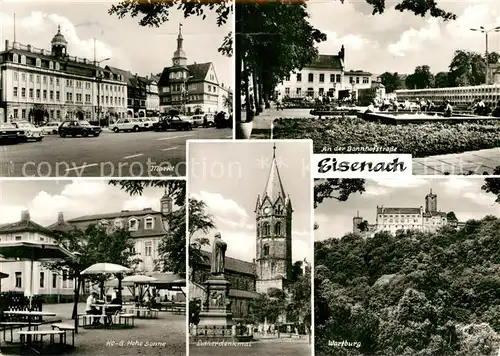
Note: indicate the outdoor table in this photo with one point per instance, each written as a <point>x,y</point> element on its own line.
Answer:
<point>29,314</point>
<point>103,307</point>
<point>26,341</point>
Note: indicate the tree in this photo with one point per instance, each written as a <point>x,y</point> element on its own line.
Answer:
<point>300,304</point>
<point>363,226</point>
<point>492,185</point>
<point>176,189</point>
<point>451,216</point>
<point>391,81</point>
<point>172,247</point>
<point>442,80</point>
<point>155,13</point>
<point>337,188</point>
<point>200,223</point>
<point>270,306</point>
<point>467,68</point>
<point>422,78</point>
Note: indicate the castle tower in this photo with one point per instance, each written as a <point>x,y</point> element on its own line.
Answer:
<point>274,233</point>
<point>179,59</point>
<point>355,223</point>
<point>431,203</point>
<point>59,44</point>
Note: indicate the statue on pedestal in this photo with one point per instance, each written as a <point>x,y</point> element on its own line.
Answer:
<point>218,255</point>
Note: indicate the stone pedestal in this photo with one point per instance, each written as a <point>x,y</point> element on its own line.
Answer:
<point>216,318</point>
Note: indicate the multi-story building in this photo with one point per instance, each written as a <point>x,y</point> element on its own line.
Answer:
<point>49,85</point>
<point>188,88</point>
<point>323,77</point>
<point>393,219</point>
<point>44,281</point>
<point>152,97</point>
<point>136,92</point>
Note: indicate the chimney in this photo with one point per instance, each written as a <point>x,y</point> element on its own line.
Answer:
<point>29,48</point>
<point>6,45</point>
<point>60,217</point>
<point>25,215</point>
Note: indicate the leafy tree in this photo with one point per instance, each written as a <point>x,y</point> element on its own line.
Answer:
<point>300,305</point>
<point>363,226</point>
<point>422,78</point>
<point>200,223</point>
<point>391,81</point>
<point>172,247</point>
<point>451,216</point>
<point>270,306</point>
<point>297,270</point>
<point>467,68</point>
<point>492,185</point>
<point>442,80</point>
<point>176,189</point>
<point>337,188</point>
<point>155,13</point>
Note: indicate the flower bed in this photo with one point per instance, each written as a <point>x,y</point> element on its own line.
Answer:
<point>421,140</point>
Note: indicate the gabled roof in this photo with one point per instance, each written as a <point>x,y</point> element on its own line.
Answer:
<point>231,264</point>
<point>198,71</point>
<point>383,210</point>
<point>357,72</point>
<point>25,225</point>
<point>125,73</point>
<point>121,214</point>
<point>327,61</point>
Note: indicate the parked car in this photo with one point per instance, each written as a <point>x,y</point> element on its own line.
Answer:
<point>31,132</point>
<point>172,123</point>
<point>127,124</point>
<point>10,133</point>
<point>51,128</point>
<point>146,124</point>
<point>78,127</point>
<point>199,120</point>
<point>188,119</point>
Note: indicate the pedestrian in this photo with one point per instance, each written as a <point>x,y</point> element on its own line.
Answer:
<point>448,109</point>
<point>279,104</point>
<point>205,121</point>
<point>90,308</point>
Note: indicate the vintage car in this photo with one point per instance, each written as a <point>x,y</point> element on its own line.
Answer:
<point>10,133</point>
<point>78,127</point>
<point>199,120</point>
<point>31,132</point>
<point>127,124</point>
<point>172,123</point>
<point>51,127</point>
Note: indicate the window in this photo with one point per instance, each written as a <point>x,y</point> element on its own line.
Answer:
<point>149,223</point>
<point>15,58</point>
<point>51,65</point>
<point>321,91</point>
<point>365,80</point>
<point>298,91</point>
<point>266,250</point>
<point>310,77</point>
<point>38,79</point>
<point>287,91</point>
<point>321,78</point>
<point>87,98</point>
<point>44,94</point>
<point>266,229</point>
<point>69,96</point>
<point>287,78</point>
<point>38,62</point>
<point>299,77</point>
<point>79,97</point>
<point>16,76</point>
<point>23,92</point>
<point>351,80</point>
<point>23,113</point>
<point>42,279</point>
<point>31,77</point>
<point>15,91</point>
<point>57,81</point>
<point>38,93</point>
<point>337,78</point>
<point>51,95</point>
<point>23,77</point>
<point>332,78</point>
<point>58,113</point>
<point>19,279</point>
<point>118,224</point>
<point>23,59</point>
<point>357,80</point>
<point>277,229</point>
<point>58,96</point>
<point>148,246</point>
<point>15,117</point>
<point>44,79</point>
<point>65,279</point>
<point>54,280</point>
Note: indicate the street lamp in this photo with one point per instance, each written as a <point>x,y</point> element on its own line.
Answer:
<point>483,30</point>
<point>185,94</point>
<point>98,81</point>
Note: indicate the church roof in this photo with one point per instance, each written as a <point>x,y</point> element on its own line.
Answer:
<point>231,264</point>
<point>274,186</point>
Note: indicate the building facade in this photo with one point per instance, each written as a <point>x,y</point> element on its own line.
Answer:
<point>392,219</point>
<point>188,88</point>
<point>45,281</point>
<point>152,97</point>
<point>225,99</point>
<point>49,85</point>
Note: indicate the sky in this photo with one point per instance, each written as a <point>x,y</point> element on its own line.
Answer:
<point>398,42</point>
<point>460,195</point>
<point>142,50</point>
<point>45,199</point>
<point>228,177</point>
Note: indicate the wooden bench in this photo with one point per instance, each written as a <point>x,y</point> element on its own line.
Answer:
<point>28,338</point>
<point>87,319</point>
<point>154,313</point>
<point>15,325</point>
<point>66,327</point>
<point>128,318</point>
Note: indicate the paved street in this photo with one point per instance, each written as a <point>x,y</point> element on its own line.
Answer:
<point>473,162</point>
<point>125,154</point>
<point>146,338</point>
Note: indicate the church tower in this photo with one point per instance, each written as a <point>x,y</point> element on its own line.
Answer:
<point>274,233</point>
<point>431,203</point>
<point>59,44</point>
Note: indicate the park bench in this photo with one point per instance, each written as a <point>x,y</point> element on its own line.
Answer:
<point>29,339</point>
<point>128,319</point>
<point>86,319</point>
<point>5,325</point>
<point>66,327</point>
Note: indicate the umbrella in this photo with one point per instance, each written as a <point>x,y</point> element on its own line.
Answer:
<point>34,251</point>
<point>131,281</point>
<point>170,281</point>
<point>103,268</point>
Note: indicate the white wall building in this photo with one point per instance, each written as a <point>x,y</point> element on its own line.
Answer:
<point>152,98</point>
<point>40,85</point>
<point>224,94</point>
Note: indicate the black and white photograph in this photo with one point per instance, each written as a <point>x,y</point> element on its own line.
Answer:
<point>93,267</point>
<point>250,248</point>
<point>111,88</point>
<point>419,78</point>
<point>407,267</point>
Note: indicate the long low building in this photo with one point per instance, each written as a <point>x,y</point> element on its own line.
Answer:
<point>490,94</point>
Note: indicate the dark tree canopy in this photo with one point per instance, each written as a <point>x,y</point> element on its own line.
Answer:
<point>176,189</point>
<point>492,185</point>
<point>391,81</point>
<point>339,189</point>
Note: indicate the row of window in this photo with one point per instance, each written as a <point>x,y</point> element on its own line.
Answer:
<point>67,280</point>
<point>132,224</point>
<point>400,216</point>
<point>334,78</point>
<point>398,221</point>
<point>265,229</point>
<point>42,95</point>
<point>70,83</point>
<point>310,91</point>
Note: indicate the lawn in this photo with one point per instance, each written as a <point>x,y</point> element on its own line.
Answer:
<point>420,140</point>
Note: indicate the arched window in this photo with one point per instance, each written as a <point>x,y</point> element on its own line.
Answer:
<point>23,59</point>
<point>266,229</point>
<point>58,67</point>
<point>277,229</point>
<point>51,65</point>
<point>258,230</point>
<point>266,250</point>
<point>38,62</point>
<point>279,210</point>
<point>15,58</point>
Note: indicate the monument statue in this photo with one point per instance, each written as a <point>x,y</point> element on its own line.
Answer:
<point>218,255</point>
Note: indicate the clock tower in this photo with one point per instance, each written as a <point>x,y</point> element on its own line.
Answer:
<point>274,233</point>
<point>179,59</point>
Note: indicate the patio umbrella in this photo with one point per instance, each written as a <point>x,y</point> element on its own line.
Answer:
<point>131,281</point>
<point>170,281</point>
<point>33,251</point>
<point>111,268</point>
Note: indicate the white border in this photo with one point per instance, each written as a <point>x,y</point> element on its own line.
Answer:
<point>235,75</point>
<point>187,250</point>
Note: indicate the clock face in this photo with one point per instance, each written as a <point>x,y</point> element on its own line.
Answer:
<point>266,210</point>
<point>176,61</point>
